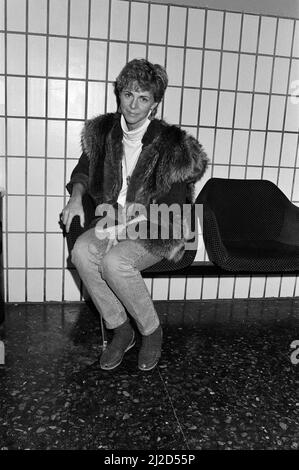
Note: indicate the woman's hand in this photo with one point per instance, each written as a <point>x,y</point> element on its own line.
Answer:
<point>74,207</point>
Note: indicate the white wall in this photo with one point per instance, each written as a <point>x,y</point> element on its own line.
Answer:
<point>231,77</point>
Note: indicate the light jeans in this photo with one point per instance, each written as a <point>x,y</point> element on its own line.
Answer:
<point>114,282</point>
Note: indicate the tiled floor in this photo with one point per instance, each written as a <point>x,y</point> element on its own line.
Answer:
<point>225,380</point>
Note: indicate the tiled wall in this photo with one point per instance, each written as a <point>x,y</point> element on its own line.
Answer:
<point>232,84</point>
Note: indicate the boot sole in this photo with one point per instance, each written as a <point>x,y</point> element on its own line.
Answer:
<point>113,366</point>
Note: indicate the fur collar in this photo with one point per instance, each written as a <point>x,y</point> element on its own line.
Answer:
<point>169,155</point>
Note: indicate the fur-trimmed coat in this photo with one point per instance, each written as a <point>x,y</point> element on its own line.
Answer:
<point>170,163</point>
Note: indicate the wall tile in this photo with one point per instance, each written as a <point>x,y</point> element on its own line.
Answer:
<point>16,285</point>
<point>177,288</point>
<point>285,176</point>
<point>273,145</point>
<point>242,287</point>
<point>35,250</point>
<point>139,22</point>
<point>214,29</point>
<point>77,58</point>
<point>287,286</point>
<point>190,107</point>
<point>111,99</point>
<point>226,286</point>
<point>3,174</point>
<point>208,107</point>
<point>211,69</point>
<point>225,109</point>
<point>177,25</point>
<point>292,116</point>
<point>79,18</point>
<point>263,74</point>
<point>2,52</point>
<point>295,195</point>
<point>206,137</point>
<point>16,54</point>
<point>56,98</point>
<point>239,148</point>
<point>16,146</point>
<point>270,174</point>
<point>156,54</point>
<point>37,16</point>
<point>260,110</point>
<point>119,20</point>
<point>158,24</point>
<point>16,250</point>
<point>35,285</point>
<point>54,245</point>
<point>54,285</point>
<point>160,289</point>
<point>257,287</point>
<point>97,60</point>
<point>253,172</point>
<point>76,99</point>
<point>277,110</point>
<point>1,14</point>
<point>246,72</point>
<point>74,129</point>
<point>36,97</point>
<point>280,76</point>
<point>196,24</point>
<point>295,51</point>
<point>294,80</point>
<point>58,17</point>
<point>57,57</point>
<point>2,136</point>
<point>16,15</point>
<point>232,31</point>
<point>36,138</point>
<point>229,71</point>
<point>99,19</point>
<point>2,96</point>
<point>210,287</point>
<point>54,208</point>
<point>15,96</point>
<point>284,37</point>
<point>222,147</point>
<point>272,286</point>
<point>96,99</point>
<point>193,63</point>
<point>36,55</point>
<point>137,51</point>
<point>267,35</point>
<point>56,138</point>
<point>256,148</point>
<point>35,213</point>
<point>35,176</point>
<point>250,33</point>
<point>237,172</point>
<point>172,103</point>
<point>289,149</point>
<point>16,175</point>
<point>71,290</point>
<point>117,59</point>
<point>175,65</point>
<point>243,109</point>
<point>55,177</point>
<point>193,290</point>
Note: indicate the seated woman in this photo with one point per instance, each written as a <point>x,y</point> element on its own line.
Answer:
<point>130,158</point>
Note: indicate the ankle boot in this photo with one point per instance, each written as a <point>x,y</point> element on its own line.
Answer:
<point>123,340</point>
<point>150,350</point>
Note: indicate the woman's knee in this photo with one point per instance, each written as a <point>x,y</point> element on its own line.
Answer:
<point>80,250</point>
<point>114,265</point>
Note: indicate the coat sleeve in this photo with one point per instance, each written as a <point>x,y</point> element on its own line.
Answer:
<point>80,173</point>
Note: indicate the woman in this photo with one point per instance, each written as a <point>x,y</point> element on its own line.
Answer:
<point>130,158</point>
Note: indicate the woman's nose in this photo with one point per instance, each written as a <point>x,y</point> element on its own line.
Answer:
<point>133,103</point>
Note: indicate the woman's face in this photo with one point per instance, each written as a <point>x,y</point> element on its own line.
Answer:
<point>136,105</point>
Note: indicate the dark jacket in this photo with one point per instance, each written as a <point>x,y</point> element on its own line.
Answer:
<point>170,163</point>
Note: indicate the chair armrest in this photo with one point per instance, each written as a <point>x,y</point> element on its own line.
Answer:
<point>290,229</point>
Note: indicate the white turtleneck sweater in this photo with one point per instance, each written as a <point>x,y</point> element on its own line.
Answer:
<point>132,146</point>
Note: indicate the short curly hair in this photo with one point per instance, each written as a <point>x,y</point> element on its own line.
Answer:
<point>150,77</point>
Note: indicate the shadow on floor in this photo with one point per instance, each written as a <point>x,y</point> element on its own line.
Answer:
<point>225,380</point>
